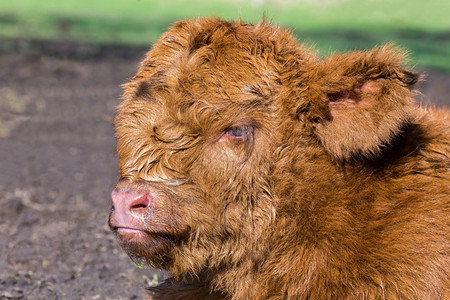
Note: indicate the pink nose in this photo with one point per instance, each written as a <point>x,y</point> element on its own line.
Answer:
<point>126,200</point>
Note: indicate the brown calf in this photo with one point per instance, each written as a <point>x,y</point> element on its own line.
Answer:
<point>252,169</point>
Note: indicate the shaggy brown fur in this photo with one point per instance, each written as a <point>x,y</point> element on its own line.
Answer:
<point>252,169</point>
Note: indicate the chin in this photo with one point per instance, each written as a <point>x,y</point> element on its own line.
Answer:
<point>152,249</point>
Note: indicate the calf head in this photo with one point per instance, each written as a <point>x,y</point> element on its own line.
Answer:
<point>205,122</point>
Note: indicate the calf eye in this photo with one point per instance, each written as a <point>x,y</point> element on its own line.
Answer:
<point>235,132</point>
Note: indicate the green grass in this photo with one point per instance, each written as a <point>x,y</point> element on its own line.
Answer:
<point>331,25</point>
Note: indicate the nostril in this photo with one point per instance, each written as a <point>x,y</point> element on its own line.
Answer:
<point>140,200</point>
<point>140,205</point>
<point>124,200</point>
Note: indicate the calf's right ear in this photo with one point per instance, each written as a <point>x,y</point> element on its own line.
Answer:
<point>367,99</point>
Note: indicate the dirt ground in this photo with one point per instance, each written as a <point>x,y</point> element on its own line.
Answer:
<point>58,166</point>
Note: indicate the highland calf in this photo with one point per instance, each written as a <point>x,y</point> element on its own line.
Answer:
<point>253,169</point>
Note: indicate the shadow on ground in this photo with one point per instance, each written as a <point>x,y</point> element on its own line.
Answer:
<point>58,167</point>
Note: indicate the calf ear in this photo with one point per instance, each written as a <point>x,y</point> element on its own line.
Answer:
<point>369,100</point>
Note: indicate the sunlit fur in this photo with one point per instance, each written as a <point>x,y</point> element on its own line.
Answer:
<point>338,189</point>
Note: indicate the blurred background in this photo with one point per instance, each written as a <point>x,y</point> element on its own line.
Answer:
<point>61,66</point>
